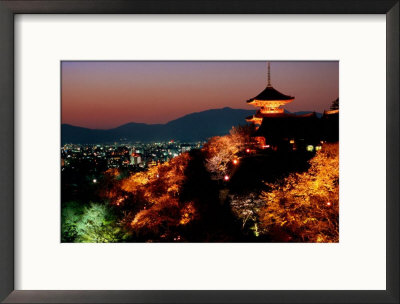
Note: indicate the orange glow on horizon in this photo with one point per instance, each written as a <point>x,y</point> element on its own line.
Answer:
<point>110,94</point>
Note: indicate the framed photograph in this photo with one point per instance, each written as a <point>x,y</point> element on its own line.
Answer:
<point>199,152</point>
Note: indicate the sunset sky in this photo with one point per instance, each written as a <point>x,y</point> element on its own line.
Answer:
<point>109,94</point>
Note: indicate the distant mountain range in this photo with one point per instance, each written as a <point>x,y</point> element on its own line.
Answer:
<point>192,127</point>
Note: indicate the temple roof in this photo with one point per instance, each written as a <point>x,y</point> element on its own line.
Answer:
<point>282,115</point>
<point>270,93</point>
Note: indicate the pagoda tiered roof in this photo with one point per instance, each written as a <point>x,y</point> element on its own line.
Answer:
<point>269,94</point>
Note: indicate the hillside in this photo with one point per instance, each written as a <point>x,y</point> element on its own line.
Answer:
<point>197,126</point>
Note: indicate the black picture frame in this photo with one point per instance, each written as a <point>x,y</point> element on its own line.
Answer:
<point>8,9</point>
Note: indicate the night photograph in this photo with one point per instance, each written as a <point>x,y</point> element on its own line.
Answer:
<point>199,151</point>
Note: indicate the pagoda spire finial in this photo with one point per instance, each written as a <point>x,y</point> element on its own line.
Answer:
<point>269,75</point>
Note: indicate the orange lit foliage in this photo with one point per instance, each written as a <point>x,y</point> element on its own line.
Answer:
<point>305,206</point>
<point>159,187</point>
<point>220,150</point>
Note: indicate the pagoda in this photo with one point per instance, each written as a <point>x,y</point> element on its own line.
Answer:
<point>289,131</point>
<point>269,101</point>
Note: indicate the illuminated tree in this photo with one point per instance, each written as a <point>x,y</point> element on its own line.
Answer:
<point>97,225</point>
<point>305,206</point>
<point>94,223</point>
<point>163,212</point>
<point>70,215</point>
<point>221,150</point>
<point>157,195</point>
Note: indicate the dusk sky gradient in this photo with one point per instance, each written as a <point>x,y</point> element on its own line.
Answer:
<point>107,94</point>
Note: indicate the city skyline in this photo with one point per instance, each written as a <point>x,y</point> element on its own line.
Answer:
<point>103,95</point>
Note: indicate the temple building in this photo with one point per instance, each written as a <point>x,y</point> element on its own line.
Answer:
<point>280,130</point>
<point>270,102</point>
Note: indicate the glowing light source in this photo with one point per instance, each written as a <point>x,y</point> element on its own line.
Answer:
<point>317,148</point>
<point>94,181</point>
<point>292,141</point>
<point>226,177</point>
<point>248,150</point>
<point>329,204</point>
<point>235,161</point>
<point>310,148</point>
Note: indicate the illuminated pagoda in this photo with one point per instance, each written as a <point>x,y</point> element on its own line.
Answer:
<point>270,102</point>
<point>289,131</point>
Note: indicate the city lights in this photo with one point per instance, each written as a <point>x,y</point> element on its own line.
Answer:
<point>132,156</point>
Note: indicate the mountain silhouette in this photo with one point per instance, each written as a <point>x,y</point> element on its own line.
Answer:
<point>197,126</point>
